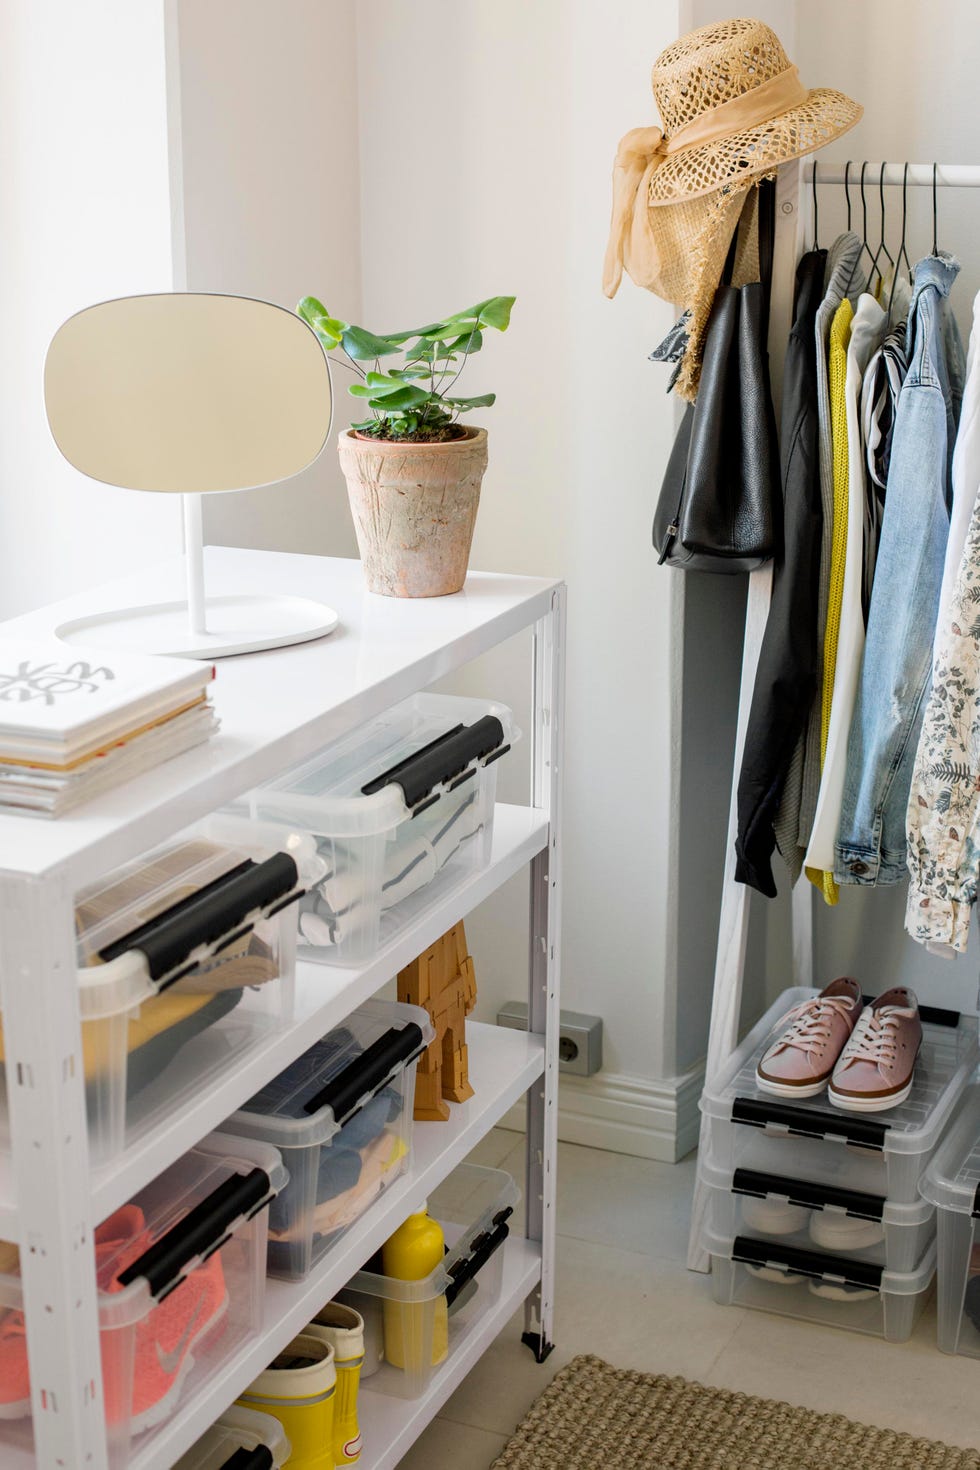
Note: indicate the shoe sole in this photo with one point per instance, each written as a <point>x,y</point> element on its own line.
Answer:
<point>163,1407</point>
<point>869,1104</point>
<point>786,1089</point>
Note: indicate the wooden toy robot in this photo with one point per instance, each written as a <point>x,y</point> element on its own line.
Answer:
<point>442,980</point>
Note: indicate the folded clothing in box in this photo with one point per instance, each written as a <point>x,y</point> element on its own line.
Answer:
<point>341,1115</point>
<point>404,798</point>
<point>170,945</point>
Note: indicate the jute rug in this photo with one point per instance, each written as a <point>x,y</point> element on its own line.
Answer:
<point>595,1417</point>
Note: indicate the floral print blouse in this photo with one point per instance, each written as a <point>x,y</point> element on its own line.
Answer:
<point>944,802</point>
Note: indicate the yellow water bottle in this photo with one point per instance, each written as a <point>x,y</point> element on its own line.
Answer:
<point>412,1253</point>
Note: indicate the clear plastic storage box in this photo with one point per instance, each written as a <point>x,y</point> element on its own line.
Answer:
<point>794,1212</point>
<point>873,1153</point>
<point>424,1323</point>
<point>404,799</point>
<point>815,1287</point>
<point>341,1116</point>
<point>258,1440</point>
<point>186,957</point>
<point>181,1283</point>
<point>952,1184</point>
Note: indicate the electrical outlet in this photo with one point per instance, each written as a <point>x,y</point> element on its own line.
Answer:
<point>579,1037</point>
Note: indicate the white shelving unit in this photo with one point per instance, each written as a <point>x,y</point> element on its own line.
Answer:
<point>276,708</point>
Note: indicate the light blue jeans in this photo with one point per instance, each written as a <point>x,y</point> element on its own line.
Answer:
<point>897,664</point>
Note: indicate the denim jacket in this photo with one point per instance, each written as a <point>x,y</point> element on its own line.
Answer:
<point>871,846</point>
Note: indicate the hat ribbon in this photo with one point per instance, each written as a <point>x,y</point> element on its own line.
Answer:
<point>643,150</point>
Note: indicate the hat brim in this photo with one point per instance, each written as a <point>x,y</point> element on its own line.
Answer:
<point>824,115</point>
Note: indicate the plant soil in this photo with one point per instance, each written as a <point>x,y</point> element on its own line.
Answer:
<point>446,434</point>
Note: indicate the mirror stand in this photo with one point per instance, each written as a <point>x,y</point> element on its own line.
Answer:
<point>203,627</point>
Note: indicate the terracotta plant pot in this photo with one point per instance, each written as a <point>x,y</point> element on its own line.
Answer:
<point>414,509</point>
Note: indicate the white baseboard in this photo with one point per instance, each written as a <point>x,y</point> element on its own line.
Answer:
<point>650,1119</point>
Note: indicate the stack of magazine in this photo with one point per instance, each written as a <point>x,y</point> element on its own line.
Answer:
<point>76,722</point>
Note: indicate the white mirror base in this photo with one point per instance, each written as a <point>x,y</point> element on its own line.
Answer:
<point>236,624</point>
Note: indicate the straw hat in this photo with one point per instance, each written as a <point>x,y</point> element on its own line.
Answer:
<point>733,109</point>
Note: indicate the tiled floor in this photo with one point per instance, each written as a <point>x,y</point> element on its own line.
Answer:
<point>625,1294</point>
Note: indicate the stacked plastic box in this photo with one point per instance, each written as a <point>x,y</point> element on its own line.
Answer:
<point>952,1184</point>
<point>242,1439</point>
<point>181,1287</point>
<point>341,1117</point>
<point>186,958</point>
<point>816,1213</point>
<point>431,1318</point>
<point>403,803</point>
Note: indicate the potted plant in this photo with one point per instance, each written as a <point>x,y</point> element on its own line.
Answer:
<point>413,471</point>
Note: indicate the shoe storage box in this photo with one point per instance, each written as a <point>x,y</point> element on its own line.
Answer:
<point>257,1440</point>
<point>185,958</point>
<point>873,1153</point>
<point>405,798</point>
<point>952,1184</point>
<point>341,1116</point>
<point>817,1287</point>
<point>181,1285</point>
<point>805,1216</point>
<point>425,1322</point>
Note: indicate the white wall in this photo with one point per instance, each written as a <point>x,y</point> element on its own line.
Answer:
<point>268,112</point>
<point>84,215</point>
<point>510,193</point>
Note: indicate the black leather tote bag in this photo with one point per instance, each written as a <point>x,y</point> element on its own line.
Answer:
<point>720,503</point>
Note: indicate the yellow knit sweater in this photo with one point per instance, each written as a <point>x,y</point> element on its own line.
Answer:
<point>840,334</point>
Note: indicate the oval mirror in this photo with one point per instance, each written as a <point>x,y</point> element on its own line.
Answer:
<point>187,392</point>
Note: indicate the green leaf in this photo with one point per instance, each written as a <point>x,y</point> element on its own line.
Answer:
<point>483,400</point>
<point>309,308</point>
<point>406,397</point>
<point>362,345</point>
<point>415,332</point>
<point>494,312</point>
<point>469,344</point>
<point>382,383</point>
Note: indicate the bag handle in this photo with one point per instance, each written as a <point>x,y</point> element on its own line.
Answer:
<point>366,1076</point>
<point>767,247</point>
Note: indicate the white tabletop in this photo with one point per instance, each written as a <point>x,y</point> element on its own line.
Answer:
<point>275,708</point>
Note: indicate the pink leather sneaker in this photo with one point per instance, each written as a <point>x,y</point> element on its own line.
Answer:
<point>800,1061</point>
<point>876,1066</point>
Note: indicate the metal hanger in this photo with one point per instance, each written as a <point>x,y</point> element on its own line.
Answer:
<point>882,247</point>
<point>935,213</point>
<point>901,249</point>
<point>847,190</point>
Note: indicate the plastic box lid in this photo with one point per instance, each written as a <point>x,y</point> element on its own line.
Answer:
<point>187,1213</point>
<point>757,1185</point>
<point>952,1180</point>
<point>309,1103</point>
<point>172,908</point>
<point>822,1266</point>
<point>480,1201</point>
<point>237,1429</point>
<point>945,1064</point>
<point>392,767</point>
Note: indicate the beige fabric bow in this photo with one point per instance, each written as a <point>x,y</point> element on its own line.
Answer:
<point>641,152</point>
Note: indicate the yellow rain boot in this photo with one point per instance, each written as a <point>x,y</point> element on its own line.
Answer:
<point>298,1389</point>
<point>343,1329</point>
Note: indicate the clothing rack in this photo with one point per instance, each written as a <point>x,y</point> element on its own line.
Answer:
<point>794,226</point>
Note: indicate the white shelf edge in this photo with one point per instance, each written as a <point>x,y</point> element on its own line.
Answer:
<point>325,996</point>
<point>503,1065</point>
<point>397,1423</point>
